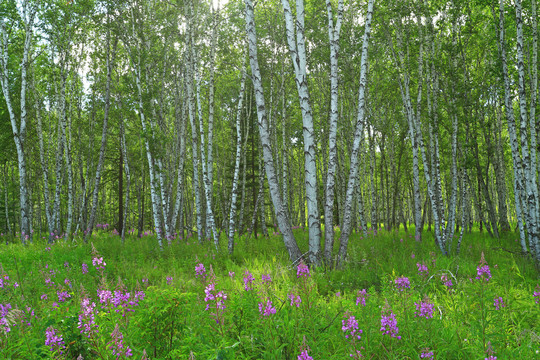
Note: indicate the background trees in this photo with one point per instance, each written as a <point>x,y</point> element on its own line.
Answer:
<point>135,114</point>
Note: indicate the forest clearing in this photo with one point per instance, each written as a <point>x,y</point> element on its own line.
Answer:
<point>277,179</point>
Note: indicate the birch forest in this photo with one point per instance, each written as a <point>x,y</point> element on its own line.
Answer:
<point>240,118</point>
<point>269,179</point>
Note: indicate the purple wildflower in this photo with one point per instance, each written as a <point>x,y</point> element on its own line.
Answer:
<point>200,271</point>
<point>422,269</point>
<point>63,295</point>
<point>4,322</point>
<point>302,270</point>
<point>402,283</point>
<point>98,263</point>
<point>482,272</point>
<point>104,296</point>
<point>295,300</point>
<point>87,322</point>
<point>536,294</point>
<point>389,325</point>
<point>446,281</point>
<point>267,309</point>
<point>361,299</point>
<point>53,340</point>
<point>266,279</point>
<point>426,354</point>
<point>350,327</point>
<point>424,309</point>
<point>118,348</point>
<point>218,299</point>
<point>169,280</point>
<point>248,280</point>
<point>498,303</point>
<point>304,351</point>
<point>84,268</point>
<point>304,356</point>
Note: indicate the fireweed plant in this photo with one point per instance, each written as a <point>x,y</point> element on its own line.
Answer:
<point>133,301</point>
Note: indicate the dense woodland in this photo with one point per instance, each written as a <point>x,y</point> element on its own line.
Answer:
<point>191,117</point>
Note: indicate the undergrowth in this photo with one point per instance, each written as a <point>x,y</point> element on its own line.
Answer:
<point>395,298</point>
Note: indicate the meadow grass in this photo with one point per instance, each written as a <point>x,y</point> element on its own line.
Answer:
<point>394,298</point>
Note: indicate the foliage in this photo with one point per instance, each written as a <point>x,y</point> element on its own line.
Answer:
<point>480,302</point>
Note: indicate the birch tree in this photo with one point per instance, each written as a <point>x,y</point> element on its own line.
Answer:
<point>109,58</point>
<point>357,140</point>
<point>511,123</point>
<point>333,36</point>
<point>18,125</point>
<point>297,50</point>
<point>234,192</point>
<point>280,210</point>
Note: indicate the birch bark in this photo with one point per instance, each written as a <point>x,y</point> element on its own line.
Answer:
<point>128,179</point>
<point>529,158</point>
<point>298,54</point>
<point>194,140</point>
<point>110,57</point>
<point>333,36</point>
<point>234,193</point>
<point>511,123</point>
<point>279,208</point>
<point>358,138</point>
<point>19,129</point>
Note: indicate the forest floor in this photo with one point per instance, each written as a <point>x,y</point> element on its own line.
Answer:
<point>395,298</point>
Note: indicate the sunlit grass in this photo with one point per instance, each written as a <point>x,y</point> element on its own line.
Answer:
<point>172,323</point>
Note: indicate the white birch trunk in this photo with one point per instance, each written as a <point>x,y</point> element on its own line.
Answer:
<point>529,168</point>
<point>194,140</point>
<point>128,179</point>
<point>206,182</point>
<point>44,167</point>
<point>511,122</point>
<point>180,170</point>
<point>234,192</point>
<point>104,132</point>
<point>19,130</point>
<point>298,55</point>
<point>6,203</point>
<point>358,137</point>
<point>279,208</point>
<point>211,96</point>
<point>333,35</point>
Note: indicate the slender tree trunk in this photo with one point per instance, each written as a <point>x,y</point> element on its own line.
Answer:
<point>194,140</point>
<point>511,122</point>
<point>206,181</point>
<point>110,64</point>
<point>128,181</point>
<point>279,208</point>
<point>500,176</point>
<point>298,55</point>
<point>358,136</point>
<point>181,120</point>
<point>234,192</point>
<point>19,130</point>
<point>6,203</point>
<point>529,158</point>
<point>211,91</point>
<point>44,166</point>
<point>333,35</point>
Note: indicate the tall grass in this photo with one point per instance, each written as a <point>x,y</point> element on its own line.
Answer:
<point>152,305</point>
